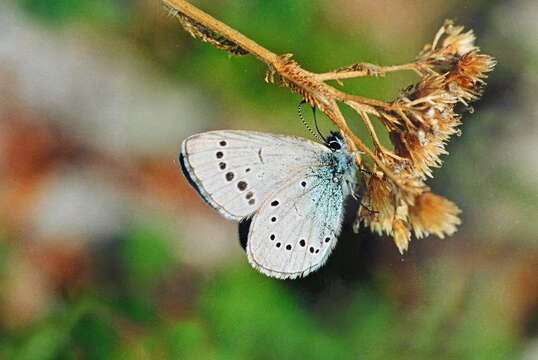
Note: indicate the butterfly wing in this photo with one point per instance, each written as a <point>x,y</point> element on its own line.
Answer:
<point>234,171</point>
<point>296,228</point>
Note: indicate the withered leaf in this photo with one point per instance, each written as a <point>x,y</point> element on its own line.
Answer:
<point>201,32</point>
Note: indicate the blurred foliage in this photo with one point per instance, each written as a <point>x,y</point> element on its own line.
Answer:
<point>314,46</point>
<point>242,315</point>
<point>63,11</point>
<point>138,302</point>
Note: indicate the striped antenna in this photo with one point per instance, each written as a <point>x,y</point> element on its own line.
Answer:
<point>300,112</point>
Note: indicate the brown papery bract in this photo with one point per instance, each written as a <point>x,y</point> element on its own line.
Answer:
<point>433,214</point>
<point>402,235</point>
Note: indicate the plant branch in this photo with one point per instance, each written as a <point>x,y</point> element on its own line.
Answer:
<point>364,69</point>
<point>420,120</point>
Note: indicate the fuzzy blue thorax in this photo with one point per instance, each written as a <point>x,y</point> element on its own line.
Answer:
<point>340,163</point>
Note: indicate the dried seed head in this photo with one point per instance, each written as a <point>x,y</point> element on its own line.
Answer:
<point>426,115</point>
<point>422,120</point>
<point>450,41</point>
<point>466,77</point>
<point>456,42</point>
<point>433,214</point>
<point>378,196</point>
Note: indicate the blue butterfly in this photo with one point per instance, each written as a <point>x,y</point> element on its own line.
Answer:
<point>287,191</point>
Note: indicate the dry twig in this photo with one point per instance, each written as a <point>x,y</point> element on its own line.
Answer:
<point>420,121</point>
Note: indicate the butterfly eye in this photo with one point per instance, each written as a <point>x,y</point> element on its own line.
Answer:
<point>334,145</point>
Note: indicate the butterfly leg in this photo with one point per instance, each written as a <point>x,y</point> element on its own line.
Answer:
<point>351,190</point>
<point>358,196</point>
<point>369,210</point>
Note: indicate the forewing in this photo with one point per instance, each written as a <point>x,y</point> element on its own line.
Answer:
<point>234,171</point>
<point>296,228</point>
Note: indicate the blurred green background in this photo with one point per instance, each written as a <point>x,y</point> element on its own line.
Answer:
<point>107,253</point>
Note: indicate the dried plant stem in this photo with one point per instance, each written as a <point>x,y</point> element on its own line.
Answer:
<point>373,134</point>
<point>365,69</point>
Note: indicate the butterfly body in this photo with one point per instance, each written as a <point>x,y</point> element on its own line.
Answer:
<point>290,189</point>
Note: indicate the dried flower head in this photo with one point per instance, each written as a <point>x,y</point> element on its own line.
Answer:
<point>433,214</point>
<point>420,122</point>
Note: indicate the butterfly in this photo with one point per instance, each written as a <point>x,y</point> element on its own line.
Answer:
<point>287,193</point>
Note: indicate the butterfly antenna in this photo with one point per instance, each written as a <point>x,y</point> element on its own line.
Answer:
<point>300,111</point>
<point>316,123</point>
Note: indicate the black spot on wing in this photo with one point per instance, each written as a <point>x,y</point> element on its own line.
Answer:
<point>244,227</point>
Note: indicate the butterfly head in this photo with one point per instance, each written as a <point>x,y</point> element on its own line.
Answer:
<point>335,141</point>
